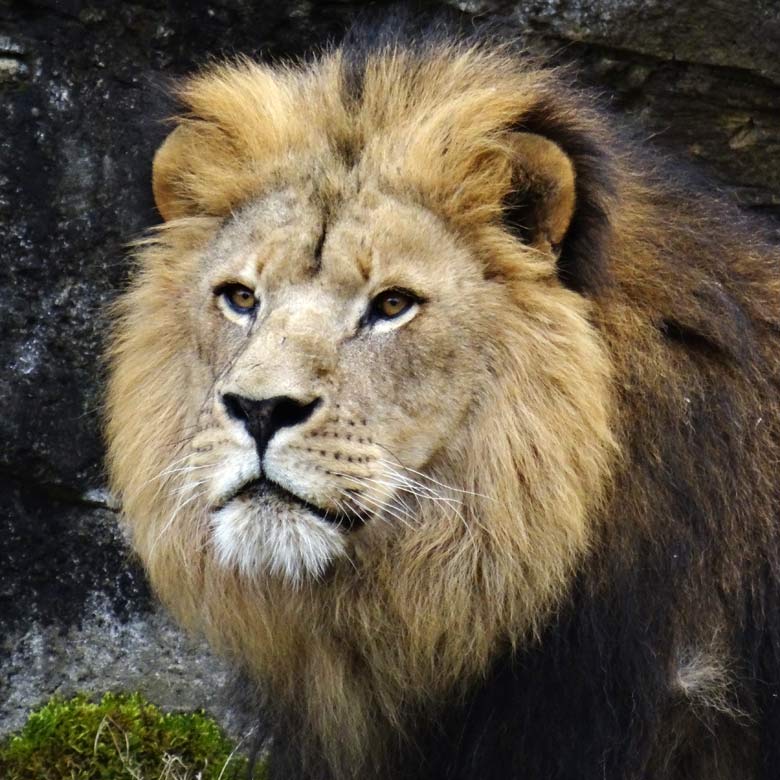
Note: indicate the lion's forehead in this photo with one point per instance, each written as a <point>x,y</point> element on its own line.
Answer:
<point>288,237</point>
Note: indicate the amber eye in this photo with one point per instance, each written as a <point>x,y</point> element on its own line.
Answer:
<point>391,304</point>
<point>239,298</point>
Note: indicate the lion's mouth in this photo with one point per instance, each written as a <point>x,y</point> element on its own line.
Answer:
<point>262,487</point>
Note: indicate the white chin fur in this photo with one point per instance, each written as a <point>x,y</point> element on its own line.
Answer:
<point>259,541</point>
<point>235,470</point>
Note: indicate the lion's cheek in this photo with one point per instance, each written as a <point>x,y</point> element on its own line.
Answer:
<point>421,389</point>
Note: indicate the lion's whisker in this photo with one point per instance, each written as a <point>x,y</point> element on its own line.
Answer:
<point>454,504</point>
<point>169,470</point>
<point>432,479</point>
<point>343,510</point>
<point>398,483</point>
<point>174,516</point>
<point>189,486</point>
<point>383,509</point>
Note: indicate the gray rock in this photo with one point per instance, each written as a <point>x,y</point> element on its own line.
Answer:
<point>145,653</point>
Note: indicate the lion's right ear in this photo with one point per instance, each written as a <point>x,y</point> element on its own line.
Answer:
<point>167,168</point>
<point>541,205</point>
<point>564,185</point>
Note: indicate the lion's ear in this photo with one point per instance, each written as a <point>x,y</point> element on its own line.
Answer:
<point>540,206</point>
<point>169,162</point>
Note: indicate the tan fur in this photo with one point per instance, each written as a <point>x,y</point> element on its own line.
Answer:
<point>503,404</point>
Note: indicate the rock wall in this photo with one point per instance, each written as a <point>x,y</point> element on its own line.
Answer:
<point>81,94</point>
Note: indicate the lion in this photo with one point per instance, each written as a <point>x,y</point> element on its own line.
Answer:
<point>451,418</point>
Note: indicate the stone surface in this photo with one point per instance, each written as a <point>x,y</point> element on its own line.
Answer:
<point>56,554</point>
<point>143,653</point>
<point>81,97</point>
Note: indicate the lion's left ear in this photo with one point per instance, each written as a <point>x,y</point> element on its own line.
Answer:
<point>540,206</point>
<point>169,162</point>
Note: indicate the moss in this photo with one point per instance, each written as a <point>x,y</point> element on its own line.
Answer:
<point>122,736</point>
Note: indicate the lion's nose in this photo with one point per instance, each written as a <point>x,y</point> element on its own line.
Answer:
<point>264,418</point>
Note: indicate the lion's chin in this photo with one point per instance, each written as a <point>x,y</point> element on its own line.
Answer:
<point>259,535</point>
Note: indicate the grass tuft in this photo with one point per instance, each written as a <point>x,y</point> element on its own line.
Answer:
<point>122,737</point>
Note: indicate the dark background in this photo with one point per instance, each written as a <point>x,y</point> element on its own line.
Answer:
<point>81,98</point>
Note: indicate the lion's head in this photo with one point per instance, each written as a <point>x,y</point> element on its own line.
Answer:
<point>358,424</point>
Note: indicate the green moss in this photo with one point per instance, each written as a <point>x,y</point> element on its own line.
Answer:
<point>122,736</point>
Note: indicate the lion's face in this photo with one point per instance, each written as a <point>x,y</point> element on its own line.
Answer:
<point>367,331</point>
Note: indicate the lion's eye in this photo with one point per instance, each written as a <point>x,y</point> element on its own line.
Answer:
<point>239,298</point>
<point>391,304</point>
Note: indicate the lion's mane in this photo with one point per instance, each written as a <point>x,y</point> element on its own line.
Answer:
<point>633,629</point>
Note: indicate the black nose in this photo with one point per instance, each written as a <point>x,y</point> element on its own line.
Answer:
<point>264,418</point>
